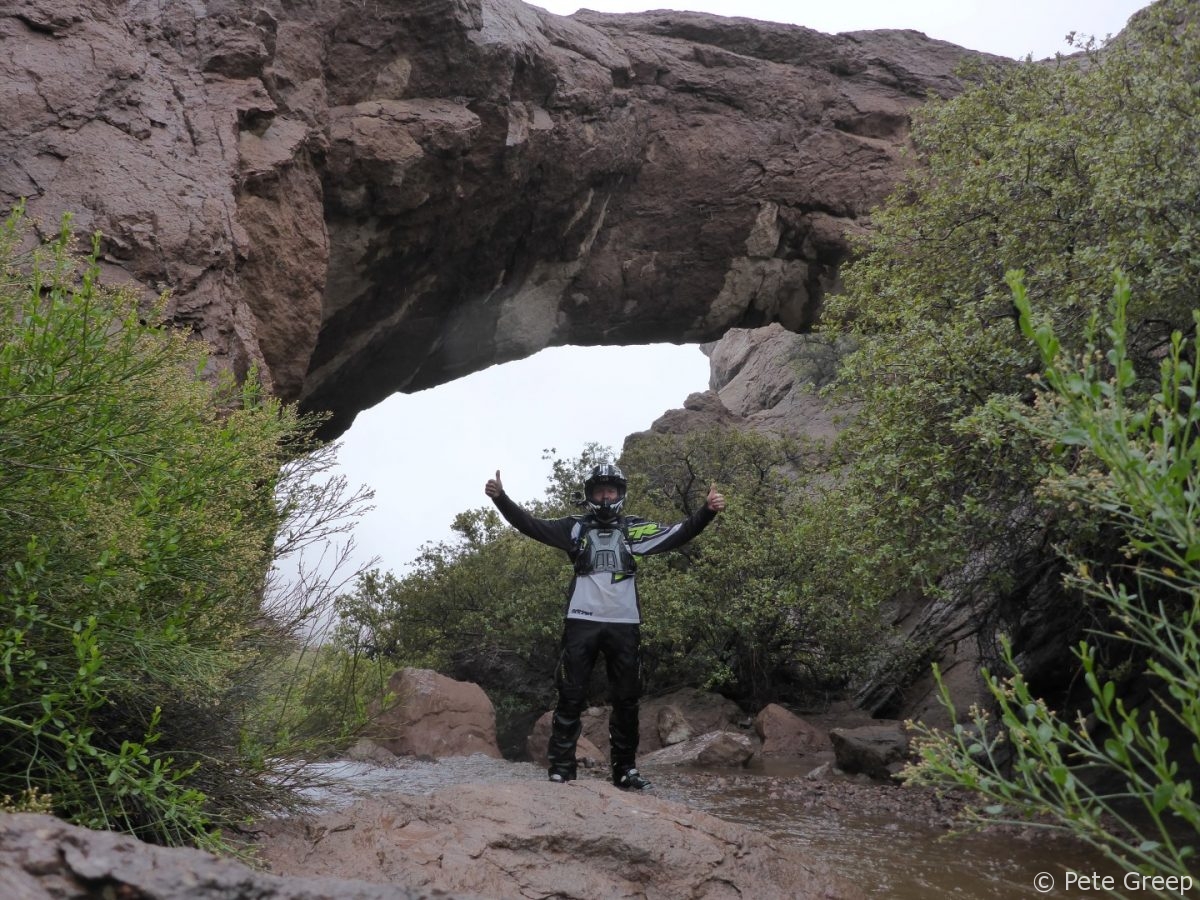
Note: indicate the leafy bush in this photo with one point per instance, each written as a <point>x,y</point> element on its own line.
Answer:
<point>1069,170</point>
<point>748,608</point>
<point>138,519</point>
<point>1122,777</point>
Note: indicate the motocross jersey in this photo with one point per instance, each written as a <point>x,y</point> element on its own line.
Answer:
<point>604,587</point>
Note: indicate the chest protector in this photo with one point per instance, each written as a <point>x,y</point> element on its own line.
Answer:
<point>603,548</point>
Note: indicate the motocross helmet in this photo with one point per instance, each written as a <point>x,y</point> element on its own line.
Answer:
<point>605,510</point>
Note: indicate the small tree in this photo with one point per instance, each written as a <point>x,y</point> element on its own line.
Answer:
<point>752,607</point>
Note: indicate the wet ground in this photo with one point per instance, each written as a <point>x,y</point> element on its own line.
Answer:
<point>893,841</point>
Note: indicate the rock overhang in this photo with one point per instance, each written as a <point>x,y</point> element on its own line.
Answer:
<point>360,199</point>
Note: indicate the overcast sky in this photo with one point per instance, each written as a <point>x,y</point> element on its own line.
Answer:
<point>427,455</point>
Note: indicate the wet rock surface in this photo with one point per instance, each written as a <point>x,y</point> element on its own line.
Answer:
<point>43,858</point>
<point>521,837</point>
<point>882,840</point>
<point>463,820</point>
<point>716,749</point>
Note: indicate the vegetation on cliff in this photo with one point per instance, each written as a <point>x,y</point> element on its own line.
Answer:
<point>1066,171</point>
<point>1117,772</point>
<point>965,473</point>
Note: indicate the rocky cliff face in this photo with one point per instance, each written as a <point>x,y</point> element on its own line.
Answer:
<point>765,379</point>
<point>365,197</point>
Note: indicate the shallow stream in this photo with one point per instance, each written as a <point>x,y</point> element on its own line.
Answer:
<point>865,833</point>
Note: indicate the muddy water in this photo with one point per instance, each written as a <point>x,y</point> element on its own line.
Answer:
<point>891,852</point>
<point>887,850</point>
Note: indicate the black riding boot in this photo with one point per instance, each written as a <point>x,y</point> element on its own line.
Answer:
<point>622,653</point>
<point>564,733</point>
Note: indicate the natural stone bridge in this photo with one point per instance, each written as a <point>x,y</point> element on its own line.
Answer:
<point>381,195</point>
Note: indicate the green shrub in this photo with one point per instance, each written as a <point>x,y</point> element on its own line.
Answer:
<point>1120,777</point>
<point>741,609</point>
<point>749,608</point>
<point>137,527</point>
<point>1067,170</point>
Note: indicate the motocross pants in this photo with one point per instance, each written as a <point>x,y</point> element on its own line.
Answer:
<point>582,641</point>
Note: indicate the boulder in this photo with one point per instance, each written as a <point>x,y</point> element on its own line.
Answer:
<point>44,858</point>
<point>783,733</point>
<point>672,726</point>
<point>537,839</point>
<point>879,751</point>
<point>667,719</point>
<point>434,716</point>
<point>365,750</point>
<point>724,749</point>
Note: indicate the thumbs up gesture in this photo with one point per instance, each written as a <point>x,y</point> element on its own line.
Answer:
<point>715,502</point>
<point>494,486</point>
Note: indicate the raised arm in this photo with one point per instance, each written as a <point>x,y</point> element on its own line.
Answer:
<point>648,538</point>
<point>554,532</point>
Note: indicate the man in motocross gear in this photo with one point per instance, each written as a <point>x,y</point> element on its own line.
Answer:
<point>603,614</point>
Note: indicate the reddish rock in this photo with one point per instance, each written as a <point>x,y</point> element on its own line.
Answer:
<point>365,198</point>
<point>537,839</point>
<point>43,858</point>
<point>876,750</point>
<point>783,733</point>
<point>434,716</point>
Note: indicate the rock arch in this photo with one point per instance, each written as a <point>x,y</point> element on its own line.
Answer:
<point>361,198</point>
